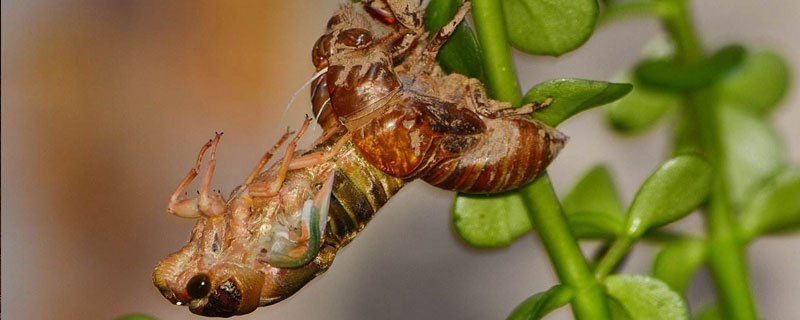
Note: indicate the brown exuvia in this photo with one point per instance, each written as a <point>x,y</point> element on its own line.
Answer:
<point>385,123</point>
<point>410,119</point>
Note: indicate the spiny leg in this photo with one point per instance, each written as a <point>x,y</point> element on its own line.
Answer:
<point>267,156</point>
<point>179,204</point>
<point>316,158</point>
<point>211,205</point>
<point>427,57</point>
<point>275,185</point>
<point>476,96</point>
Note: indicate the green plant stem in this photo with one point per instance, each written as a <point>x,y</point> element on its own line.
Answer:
<point>726,259</point>
<point>571,267</point>
<point>614,255</point>
<point>544,208</point>
<point>496,53</point>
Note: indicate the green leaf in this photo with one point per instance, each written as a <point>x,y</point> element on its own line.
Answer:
<point>549,27</point>
<point>677,262</point>
<point>595,225</point>
<point>594,192</point>
<point>461,53</point>
<point>592,207</point>
<point>775,207</point>
<point>759,84</point>
<point>641,109</point>
<point>618,312</point>
<point>542,303</point>
<point>676,188</point>
<point>490,221</point>
<point>614,10</point>
<point>675,76</point>
<point>646,298</point>
<point>752,150</point>
<point>571,96</point>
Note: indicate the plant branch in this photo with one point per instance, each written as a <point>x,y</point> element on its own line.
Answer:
<point>614,255</point>
<point>543,206</point>
<point>726,252</point>
<point>499,67</point>
<point>570,265</point>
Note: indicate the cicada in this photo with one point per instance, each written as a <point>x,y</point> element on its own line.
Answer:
<point>281,228</point>
<point>389,115</point>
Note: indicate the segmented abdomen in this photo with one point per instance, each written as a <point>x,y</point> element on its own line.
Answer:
<point>513,153</point>
<point>359,191</point>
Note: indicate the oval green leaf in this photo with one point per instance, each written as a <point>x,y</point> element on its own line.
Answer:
<point>759,84</point>
<point>676,188</point>
<point>461,52</point>
<point>549,27</point>
<point>595,225</point>
<point>678,261</point>
<point>542,303</point>
<point>641,109</point>
<point>752,150</point>
<point>594,192</point>
<point>775,207</point>
<point>676,76</point>
<point>571,96</point>
<point>646,298</point>
<point>490,221</point>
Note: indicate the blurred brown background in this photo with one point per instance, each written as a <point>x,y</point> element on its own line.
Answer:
<point>105,104</point>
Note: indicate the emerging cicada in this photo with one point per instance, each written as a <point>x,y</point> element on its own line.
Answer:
<point>276,232</point>
<point>385,124</point>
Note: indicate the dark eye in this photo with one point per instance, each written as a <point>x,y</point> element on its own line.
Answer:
<point>355,37</point>
<point>198,286</point>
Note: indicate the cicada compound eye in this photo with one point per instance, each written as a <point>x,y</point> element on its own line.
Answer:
<point>355,37</point>
<point>199,286</point>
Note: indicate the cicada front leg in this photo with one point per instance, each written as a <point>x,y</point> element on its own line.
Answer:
<point>207,204</point>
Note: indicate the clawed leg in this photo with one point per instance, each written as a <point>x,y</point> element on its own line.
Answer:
<point>266,157</point>
<point>476,96</point>
<point>316,158</point>
<point>427,58</point>
<point>271,188</point>
<point>210,205</point>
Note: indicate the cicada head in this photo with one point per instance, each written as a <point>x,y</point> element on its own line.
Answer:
<point>347,31</point>
<point>201,277</point>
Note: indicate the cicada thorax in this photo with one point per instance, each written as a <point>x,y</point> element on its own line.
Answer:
<point>415,133</point>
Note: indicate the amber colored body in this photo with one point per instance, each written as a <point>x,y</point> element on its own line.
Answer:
<point>230,248</point>
<point>411,120</point>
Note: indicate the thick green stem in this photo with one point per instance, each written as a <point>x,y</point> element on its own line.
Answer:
<point>500,72</point>
<point>726,259</point>
<point>543,206</point>
<point>571,267</point>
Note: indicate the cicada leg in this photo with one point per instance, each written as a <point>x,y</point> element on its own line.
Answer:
<point>289,252</point>
<point>213,205</point>
<point>267,156</point>
<point>487,107</point>
<point>427,59</point>
<point>319,157</point>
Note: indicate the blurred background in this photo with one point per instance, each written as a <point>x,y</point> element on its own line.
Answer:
<point>105,104</point>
